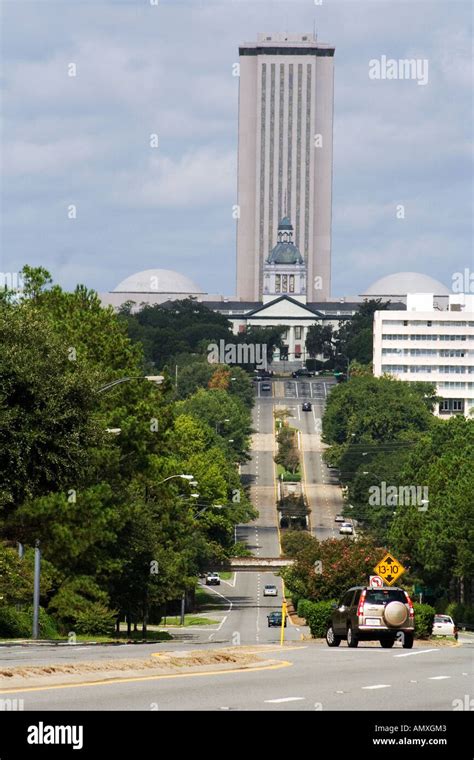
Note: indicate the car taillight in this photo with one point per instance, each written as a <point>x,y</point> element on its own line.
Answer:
<point>410,605</point>
<point>360,608</point>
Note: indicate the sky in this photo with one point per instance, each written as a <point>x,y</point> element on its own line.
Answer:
<point>165,68</point>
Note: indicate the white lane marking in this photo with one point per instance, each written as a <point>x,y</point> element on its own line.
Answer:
<point>283,699</point>
<point>378,686</point>
<point>299,415</point>
<point>438,678</point>
<point>410,654</point>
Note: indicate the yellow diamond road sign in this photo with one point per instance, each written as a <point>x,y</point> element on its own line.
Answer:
<point>389,569</point>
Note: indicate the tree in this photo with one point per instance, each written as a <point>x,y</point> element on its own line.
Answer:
<point>355,336</point>
<point>439,540</point>
<point>344,563</point>
<point>320,339</point>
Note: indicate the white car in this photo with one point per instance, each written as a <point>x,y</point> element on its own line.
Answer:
<point>270,591</point>
<point>346,529</point>
<point>339,518</point>
<point>213,579</point>
<point>444,625</point>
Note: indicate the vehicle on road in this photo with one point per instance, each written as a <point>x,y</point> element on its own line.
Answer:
<point>307,406</point>
<point>366,614</point>
<point>270,591</point>
<point>444,625</point>
<point>339,518</point>
<point>263,374</point>
<point>346,529</point>
<point>302,372</point>
<point>266,387</point>
<point>274,619</point>
<point>213,579</point>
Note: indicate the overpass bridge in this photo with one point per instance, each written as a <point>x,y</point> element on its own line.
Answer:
<point>254,564</point>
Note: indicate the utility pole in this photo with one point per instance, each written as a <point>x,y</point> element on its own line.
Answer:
<point>183,598</point>
<point>36,590</point>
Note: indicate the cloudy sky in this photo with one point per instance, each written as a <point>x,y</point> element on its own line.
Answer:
<point>166,69</point>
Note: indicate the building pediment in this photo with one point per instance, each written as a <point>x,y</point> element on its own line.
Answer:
<point>284,306</point>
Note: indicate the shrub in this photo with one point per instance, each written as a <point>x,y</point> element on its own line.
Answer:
<point>318,616</point>
<point>14,623</point>
<point>304,607</point>
<point>19,623</point>
<point>424,616</point>
<point>96,620</point>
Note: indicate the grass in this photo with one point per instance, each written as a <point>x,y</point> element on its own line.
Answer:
<point>226,575</point>
<point>294,477</point>
<point>203,598</point>
<point>84,638</point>
<point>190,620</point>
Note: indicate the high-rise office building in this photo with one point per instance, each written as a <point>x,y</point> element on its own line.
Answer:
<point>285,156</point>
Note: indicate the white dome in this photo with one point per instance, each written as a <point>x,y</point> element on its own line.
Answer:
<point>401,283</point>
<point>157,281</point>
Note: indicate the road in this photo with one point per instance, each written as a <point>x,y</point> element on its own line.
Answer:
<point>308,675</point>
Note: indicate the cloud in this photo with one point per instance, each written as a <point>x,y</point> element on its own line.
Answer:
<point>168,70</point>
<point>198,178</point>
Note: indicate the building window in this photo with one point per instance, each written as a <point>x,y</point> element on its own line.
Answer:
<point>278,283</point>
<point>292,283</point>
<point>284,283</point>
<point>298,333</point>
<point>451,406</point>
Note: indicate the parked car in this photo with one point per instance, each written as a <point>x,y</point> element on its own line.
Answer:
<point>302,372</point>
<point>213,579</point>
<point>266,387</point>
<point>307,406</point>
<point>346,529</point>
<point>367,614</point>
<point>444,625</point>
<point>274,619</point>
<point>270,591</point>
<point>339,518</point>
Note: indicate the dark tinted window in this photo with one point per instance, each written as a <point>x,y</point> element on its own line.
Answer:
<point>385,595</point>
<point>347,598</point>
<point>357,597</point>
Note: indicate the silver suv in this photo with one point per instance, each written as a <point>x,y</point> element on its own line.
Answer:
<point>368,614</point>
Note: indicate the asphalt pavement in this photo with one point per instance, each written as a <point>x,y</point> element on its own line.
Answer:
<point>307,675</point>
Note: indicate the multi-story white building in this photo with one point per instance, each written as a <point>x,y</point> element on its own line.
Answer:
<point>285,156</point>
<point>430,345</point>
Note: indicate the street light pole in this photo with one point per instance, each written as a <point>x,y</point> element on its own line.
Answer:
<point>36,590</point>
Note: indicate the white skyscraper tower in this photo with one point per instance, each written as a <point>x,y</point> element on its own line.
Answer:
<point>285,156</point>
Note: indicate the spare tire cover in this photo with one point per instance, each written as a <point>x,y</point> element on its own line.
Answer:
<point>395,613</point>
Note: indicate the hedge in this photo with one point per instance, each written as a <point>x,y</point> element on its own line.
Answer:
<point>317,614</point>
<point>424,616</point>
